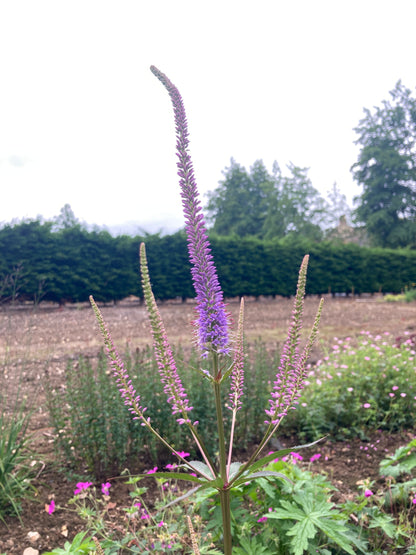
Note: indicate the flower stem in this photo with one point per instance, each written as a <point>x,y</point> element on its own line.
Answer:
<point>226,520</point>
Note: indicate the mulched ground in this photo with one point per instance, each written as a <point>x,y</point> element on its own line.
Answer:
<point>31,341</point>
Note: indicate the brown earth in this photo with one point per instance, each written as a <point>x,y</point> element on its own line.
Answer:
<point>34,340</point>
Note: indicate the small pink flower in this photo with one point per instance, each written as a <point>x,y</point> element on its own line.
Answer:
<point>152,471</point>
<point>315,457</point>
<point>366,405</point>
<point>262,519</point>
<point>51,507</point>
<point>105,488</point>
<point>145,516</point>
<point>414,501</point>
<point>402,394</point>
<point>296,456</point>
<point>171,466</point>
<point>368,493</point>
<point>395,387</point>
<point>161,523</point>
<point>182,454</point>
<point>391,395</point>
<point>81,486</point>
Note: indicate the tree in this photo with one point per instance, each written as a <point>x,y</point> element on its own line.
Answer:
<point>239,204</point>
<point>66,219</point>
<point>386,168</point>
<point>264,205</point>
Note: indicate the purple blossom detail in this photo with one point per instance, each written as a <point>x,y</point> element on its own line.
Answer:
<point>213,318</point>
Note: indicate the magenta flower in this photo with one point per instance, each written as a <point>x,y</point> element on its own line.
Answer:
<point>368,493</point>
<point>51,507</point>
<point>171,466</point>
<point>105,488</point>
<point>82,486</point>
<point>182,454</point>
<point>213,319</point>
<point>152,471</point>
<point>366,405</point>
<point>315,457</point>
<point>262,519</point>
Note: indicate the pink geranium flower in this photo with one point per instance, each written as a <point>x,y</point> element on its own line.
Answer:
<point>81,486</point>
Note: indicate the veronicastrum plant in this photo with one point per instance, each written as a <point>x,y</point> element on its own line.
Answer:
<point>222,360</point>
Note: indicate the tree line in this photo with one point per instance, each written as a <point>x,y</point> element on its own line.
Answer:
<point>266,205</point>
<point>68,264</point>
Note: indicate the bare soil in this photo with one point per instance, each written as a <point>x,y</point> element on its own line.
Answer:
<point>34,340</point>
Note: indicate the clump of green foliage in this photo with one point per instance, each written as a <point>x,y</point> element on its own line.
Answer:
<point>361,385</point>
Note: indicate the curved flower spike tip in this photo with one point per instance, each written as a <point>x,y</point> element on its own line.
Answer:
<point>213,318</point>
<point>290,377</point>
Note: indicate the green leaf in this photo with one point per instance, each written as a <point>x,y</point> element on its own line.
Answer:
<point>263,474</point>
<point>203,469</point>
<point>268,458</point>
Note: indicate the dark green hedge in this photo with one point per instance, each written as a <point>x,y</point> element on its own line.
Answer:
<point>73,263</point>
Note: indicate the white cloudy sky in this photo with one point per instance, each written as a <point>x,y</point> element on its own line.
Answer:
<point>83,121</point>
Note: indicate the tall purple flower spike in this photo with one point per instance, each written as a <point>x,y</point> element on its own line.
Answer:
<point>212,321</point>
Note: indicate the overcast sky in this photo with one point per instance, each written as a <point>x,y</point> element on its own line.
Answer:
<point>83,120</point>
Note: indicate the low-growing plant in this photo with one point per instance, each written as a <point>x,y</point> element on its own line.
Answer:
<point>16,457</point>
<point>94,432</point>
<point>362,385</point>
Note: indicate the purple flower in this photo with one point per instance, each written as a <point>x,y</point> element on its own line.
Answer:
<point>213,320</point>
<point>105,488</point>
<point>368,493</point>
<point>82,486</point>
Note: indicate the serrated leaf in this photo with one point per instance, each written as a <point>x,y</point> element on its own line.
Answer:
<point>302,532</point>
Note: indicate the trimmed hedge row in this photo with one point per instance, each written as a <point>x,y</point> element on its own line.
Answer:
<point>73,263</point>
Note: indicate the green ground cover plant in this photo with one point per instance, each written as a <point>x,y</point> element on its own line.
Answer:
<point>361,385</point>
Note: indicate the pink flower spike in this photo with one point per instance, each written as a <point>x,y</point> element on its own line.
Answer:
<point>105,488</point>
<point>152,471</point>
<point>368,493</point>
<point>51,507</point>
